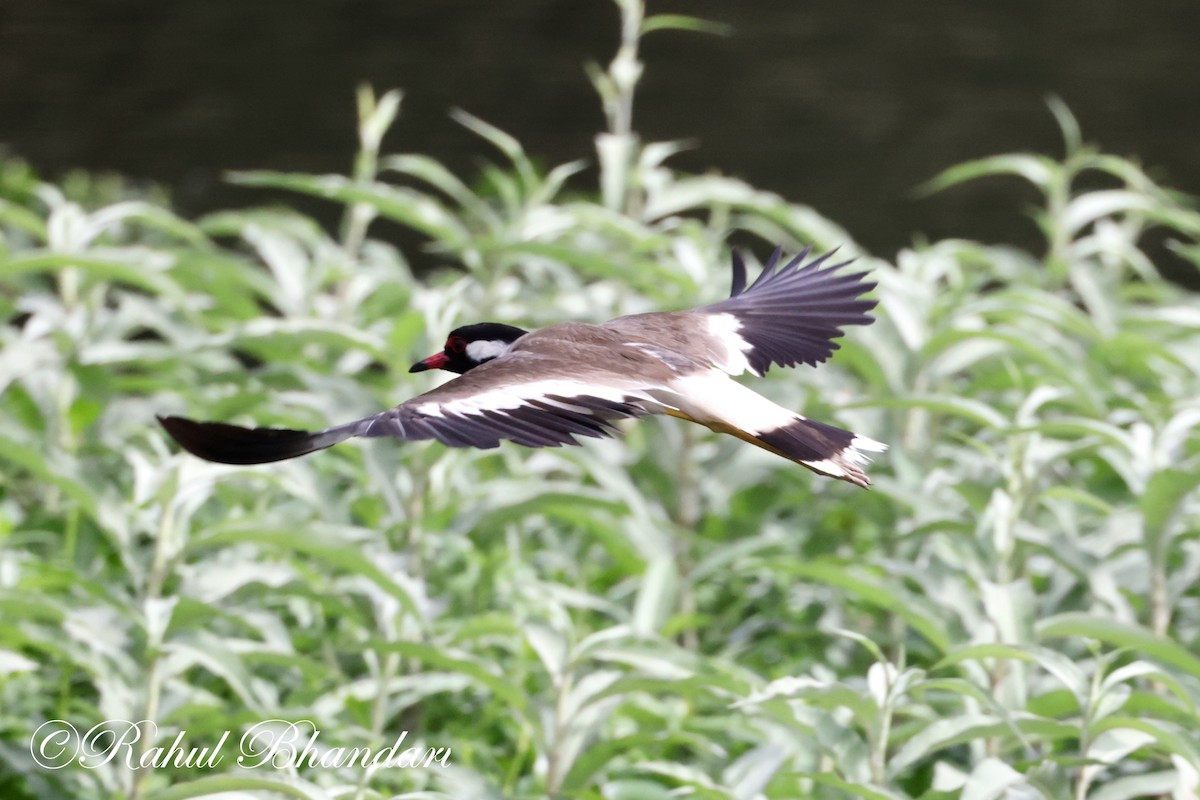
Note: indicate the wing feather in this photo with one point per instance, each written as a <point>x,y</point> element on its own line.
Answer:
<point>510,399</point>
<point>792,311</point>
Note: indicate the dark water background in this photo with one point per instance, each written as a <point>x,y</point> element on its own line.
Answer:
<point>843,105</point>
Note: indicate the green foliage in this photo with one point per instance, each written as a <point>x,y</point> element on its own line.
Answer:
<point>1012,611</point>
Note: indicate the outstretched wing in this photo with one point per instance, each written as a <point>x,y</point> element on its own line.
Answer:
<point>501,401</point>
<point>511,398</point>
<point>792,313</point>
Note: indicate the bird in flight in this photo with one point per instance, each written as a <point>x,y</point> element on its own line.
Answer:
<point>543,388</point>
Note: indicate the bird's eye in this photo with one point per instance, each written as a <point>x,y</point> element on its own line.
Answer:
<point>456,345</point>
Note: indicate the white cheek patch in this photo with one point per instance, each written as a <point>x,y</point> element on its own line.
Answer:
<point>724,328</point>
<point>487,349</point>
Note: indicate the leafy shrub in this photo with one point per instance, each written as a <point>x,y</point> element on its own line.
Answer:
<point>1012,611</point>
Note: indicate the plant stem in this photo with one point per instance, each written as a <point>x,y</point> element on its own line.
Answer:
<point>391,665</point>
<point>154,585</point>
<point>374,118</point>
<point>1160,601</point>
<point>687,515</point>
<point>1085,736</point>
<point>555,769</point>
<point>1058,194</point>
<point>880,745</point>
<point>623,75</point>
<point>632,12</point>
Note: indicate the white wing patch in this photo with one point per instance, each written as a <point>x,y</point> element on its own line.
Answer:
<point>505,398</point>
<point>724,328</point>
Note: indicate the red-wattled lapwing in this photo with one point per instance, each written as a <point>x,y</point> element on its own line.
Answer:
<point>543,388</point>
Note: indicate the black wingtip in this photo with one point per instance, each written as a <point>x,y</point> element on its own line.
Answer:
<point>233,444</point>
<point>773,261</point>
<point>772,268</point>
<point>739,275</point>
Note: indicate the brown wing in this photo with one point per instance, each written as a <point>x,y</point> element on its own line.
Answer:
<point>564,381</point>
<point>559,383</point>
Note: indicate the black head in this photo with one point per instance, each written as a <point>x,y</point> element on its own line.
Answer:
<point>470,346</point>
